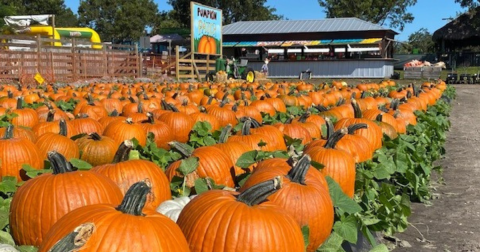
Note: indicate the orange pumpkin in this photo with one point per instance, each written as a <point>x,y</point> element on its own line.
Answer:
<point>207,45</point>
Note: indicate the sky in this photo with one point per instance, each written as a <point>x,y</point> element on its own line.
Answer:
<point>428,13</point>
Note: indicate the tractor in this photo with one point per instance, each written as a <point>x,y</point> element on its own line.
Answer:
<point>233,68</point>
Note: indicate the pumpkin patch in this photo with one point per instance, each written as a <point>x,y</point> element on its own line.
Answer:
<point>290,166</point>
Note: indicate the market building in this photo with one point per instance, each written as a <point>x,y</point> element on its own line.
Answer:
<point>329,48</point>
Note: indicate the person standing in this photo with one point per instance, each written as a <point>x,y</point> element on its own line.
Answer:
<point>265,67</point>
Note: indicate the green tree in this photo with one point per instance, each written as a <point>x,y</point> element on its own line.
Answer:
<point>383,12</point>
<point>6,10</point>
<point>232,11</point>
<point>118,20</point>
<point>63,16</point>
<point>422,39</point>
<point>468,3</point>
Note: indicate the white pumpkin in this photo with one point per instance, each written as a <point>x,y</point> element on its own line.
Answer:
<point>173,208</point>
<point>7,248</point>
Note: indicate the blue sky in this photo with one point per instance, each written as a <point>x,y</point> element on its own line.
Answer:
<point>428,13</point>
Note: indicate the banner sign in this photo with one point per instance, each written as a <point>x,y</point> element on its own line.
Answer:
<point>206,29</point>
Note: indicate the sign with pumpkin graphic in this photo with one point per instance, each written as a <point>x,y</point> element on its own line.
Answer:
<point>206,29</point>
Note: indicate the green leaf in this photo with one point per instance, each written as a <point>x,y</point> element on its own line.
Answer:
<point>6,238</point>
<point>4,218</point>
<point>209,141</point>
<point>306,235</point>
<point>247,159</point>
<point>347,228</point>
<point>8,184</point>
<point>202,128</point>
<point>201,185</point>
<point>366,232</point>
<point>380,248</point>
<point>340,200</point>
<point>27,248</point>
<point>32,172</point>
<point>332,244</point>
<point>80,164</point>
<point>188,165</point>
<point>317,165</point>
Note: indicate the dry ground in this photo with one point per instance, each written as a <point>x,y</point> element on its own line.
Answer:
<point>452,222</point>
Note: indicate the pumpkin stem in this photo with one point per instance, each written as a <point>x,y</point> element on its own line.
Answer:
<point>304,117</point>
<point>95,136</point>
<point>9,94</point>
<point>150,118</point>
<point>123,151</point>
<point>210,99</point>
<point>235,107</point>
<point>129,120</point>
<point>90,100</point>
<point>289,120</point>
<point>336,136</point>
<point>352,128</point>
<point>363,95</point>
<point>165,105</point>
<point>321,108</point>
<point>59,163</point>
<point>8,132</point>
<point>114,113</point>
<point>50,115</point>
<point>330,127</point>
<point>225,134</point>
<point>255,123</point>
<point>74,240</point>
<point>173,108</point>
<point>225,97</point>
<point>135,199</point>
<point>19,102</point>
<point>356,109</point>
<point>354,94</point>
<point>63,127</point>
<point>140,107</point>
<point>130,98</point>
<point>379,117</point>
<point>299,170</point>
<point>183,148</point>
<point>394,104</point>
<point>246,127</point>
<point>260,192</point>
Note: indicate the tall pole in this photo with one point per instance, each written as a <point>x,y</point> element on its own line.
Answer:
<point>53,27</point>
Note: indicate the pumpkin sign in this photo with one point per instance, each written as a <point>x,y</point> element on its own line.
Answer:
<point>207,45</point>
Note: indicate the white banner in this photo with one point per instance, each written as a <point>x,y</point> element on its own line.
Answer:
<point>25,21</point>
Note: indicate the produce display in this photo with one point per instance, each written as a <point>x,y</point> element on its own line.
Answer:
<point>236,166</point>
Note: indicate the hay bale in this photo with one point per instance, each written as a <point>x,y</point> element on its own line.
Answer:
<point>221,76</point>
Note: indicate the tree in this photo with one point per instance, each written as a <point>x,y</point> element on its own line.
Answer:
<point>232,11</point>
<point>382,12</point>
<point>422,39</point>
<point>118,20</point>
<point>63,16</point>
<point>468,3</point>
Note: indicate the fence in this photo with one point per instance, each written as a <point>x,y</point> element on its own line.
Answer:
<point>22,57</point>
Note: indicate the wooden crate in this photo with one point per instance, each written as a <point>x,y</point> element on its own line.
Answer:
<point>430,72</point>
<point>412,73</point>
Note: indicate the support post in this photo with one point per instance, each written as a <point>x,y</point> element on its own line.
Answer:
<point>74,61</point>
<point>177,65</point>
<point>39,52</point>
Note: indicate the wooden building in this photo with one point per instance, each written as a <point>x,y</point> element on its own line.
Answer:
<point>329,48</point>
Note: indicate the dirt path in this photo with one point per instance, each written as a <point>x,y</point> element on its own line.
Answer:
<point>452,223</point>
